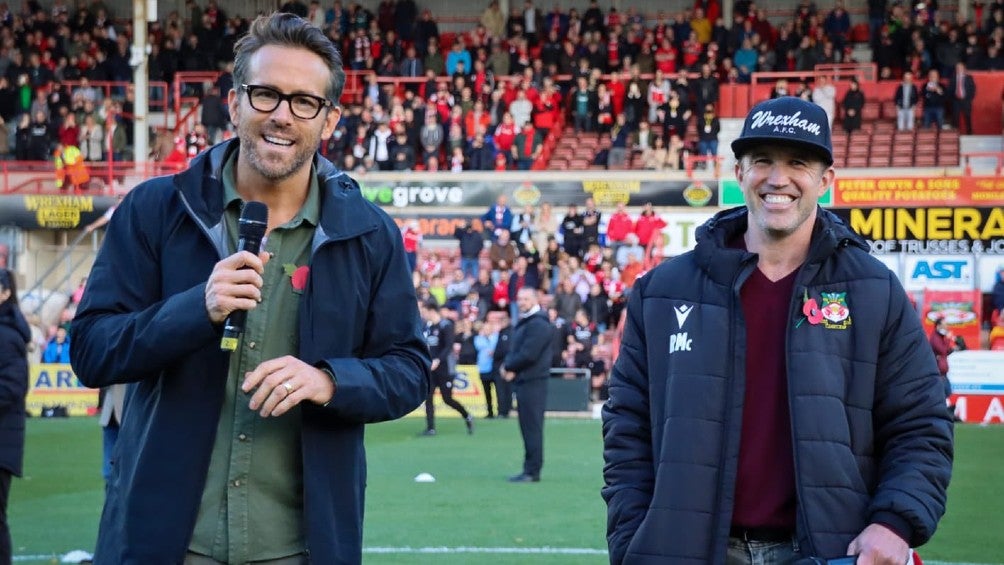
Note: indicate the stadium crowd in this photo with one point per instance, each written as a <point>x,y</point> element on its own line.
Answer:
<point>484,98</point>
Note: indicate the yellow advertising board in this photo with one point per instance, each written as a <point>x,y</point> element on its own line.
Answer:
<point>51,384</point>
<point>466,390</point>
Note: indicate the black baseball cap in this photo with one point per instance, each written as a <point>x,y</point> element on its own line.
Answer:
<point>787,120</point>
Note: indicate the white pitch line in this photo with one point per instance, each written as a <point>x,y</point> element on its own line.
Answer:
<point>484,550</point>
<point>490,550</point>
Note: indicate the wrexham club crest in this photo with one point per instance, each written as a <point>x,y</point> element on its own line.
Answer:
<point>833,313</point>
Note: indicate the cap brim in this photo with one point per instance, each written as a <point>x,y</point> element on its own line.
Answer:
<point>743,145</point>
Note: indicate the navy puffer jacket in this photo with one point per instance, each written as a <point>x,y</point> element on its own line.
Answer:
<point>872,438</point>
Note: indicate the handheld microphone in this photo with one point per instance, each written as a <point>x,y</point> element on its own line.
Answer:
<point>250,231</point>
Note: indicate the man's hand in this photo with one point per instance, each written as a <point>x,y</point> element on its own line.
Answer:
<point>235,284</point>
<point>285,382</point>
<point>878,545</point>
<point>435,364</point>
<point>508,376</point>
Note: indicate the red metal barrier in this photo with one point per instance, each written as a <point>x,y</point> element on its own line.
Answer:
<point>39,177</point>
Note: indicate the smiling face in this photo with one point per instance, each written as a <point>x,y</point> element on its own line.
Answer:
<point>277,145</point>
<point>782,186</point>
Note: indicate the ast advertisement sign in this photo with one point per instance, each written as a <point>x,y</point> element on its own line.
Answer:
<point>939,272</point>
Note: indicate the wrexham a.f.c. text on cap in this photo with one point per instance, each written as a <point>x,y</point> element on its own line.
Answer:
<point>787,120</point>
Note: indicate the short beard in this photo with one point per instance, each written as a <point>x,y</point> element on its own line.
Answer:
<point>271,173</point>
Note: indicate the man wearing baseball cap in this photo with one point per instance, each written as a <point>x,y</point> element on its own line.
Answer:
<point>774,398</point>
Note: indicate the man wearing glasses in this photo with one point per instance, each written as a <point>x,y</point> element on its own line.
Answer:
<point>255,455</point>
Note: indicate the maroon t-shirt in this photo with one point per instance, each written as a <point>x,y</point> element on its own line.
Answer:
<point>765,486</point>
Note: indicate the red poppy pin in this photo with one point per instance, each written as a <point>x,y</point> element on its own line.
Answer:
<point>810,311</point>
<point>297,276</point>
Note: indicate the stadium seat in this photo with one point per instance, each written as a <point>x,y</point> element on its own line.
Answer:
<point>870,112</point>
<point>946,159</point>
<point>902,159</point>
<point>860,33</point>
<point>881,139</point>
<point>925,160</point>
<point>859,147</point>
<point>857,161</point>
<point>883,126</point>
<point>904,136</point>
<point>876,160</point>
<point>888,109</point>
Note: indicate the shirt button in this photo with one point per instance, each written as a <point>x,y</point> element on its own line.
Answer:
<point>237,483</point>
<point>252,345</point>
<point>242,437</point>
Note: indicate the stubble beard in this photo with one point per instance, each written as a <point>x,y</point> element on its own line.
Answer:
<point>275,171</point>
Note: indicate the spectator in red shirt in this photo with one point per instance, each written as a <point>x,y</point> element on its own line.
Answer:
<point>648,223</point>
<point>412,240</point>
<point>617,91</point>
<point>619,225</point>
<point>665,55</point>
<point>691,51</point>
<point>505,134</point>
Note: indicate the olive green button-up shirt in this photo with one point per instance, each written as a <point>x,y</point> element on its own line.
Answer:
<point>252,505</point>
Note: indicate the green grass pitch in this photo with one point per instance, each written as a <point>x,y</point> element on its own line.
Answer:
<point>470,514</point>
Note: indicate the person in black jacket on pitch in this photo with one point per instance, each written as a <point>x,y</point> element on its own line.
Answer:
<point>439,335</point>
<point>529,365</point>
<point>14,337</point>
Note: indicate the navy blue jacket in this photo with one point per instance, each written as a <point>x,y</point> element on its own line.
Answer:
<point>14,337</point>
<point>871,436</point>
<point>144,321</point>
<point>530,348</point>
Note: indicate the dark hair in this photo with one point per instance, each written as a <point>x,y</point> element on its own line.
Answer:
<point>289,30</point>
<point>8,282</point>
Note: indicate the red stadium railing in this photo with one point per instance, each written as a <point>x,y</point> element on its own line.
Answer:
<point>996,155</point>
<point>39,177</point>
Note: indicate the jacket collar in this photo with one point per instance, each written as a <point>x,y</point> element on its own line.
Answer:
<point>719,260</point>
<point>345,213</point>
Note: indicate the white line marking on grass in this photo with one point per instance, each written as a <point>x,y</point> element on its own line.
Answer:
<point>483,550</point>
<point>490,550</point>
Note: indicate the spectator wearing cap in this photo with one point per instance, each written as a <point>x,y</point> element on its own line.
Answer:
<point>758,274</point>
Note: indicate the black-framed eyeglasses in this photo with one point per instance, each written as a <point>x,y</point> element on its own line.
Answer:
<point>266,99</point>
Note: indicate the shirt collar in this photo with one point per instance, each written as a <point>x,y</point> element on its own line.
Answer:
<point>531,312</point>
<point>310,212</point>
